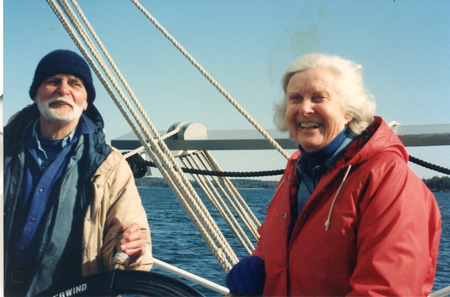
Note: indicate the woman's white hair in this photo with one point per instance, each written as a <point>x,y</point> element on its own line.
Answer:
<point>354,98</point>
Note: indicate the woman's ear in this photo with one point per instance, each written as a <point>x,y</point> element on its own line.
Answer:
<point>348,119</point>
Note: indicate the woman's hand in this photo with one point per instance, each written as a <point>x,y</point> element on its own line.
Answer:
<point>247,276</point>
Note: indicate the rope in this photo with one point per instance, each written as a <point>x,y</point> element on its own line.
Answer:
<point>234,173</point>
<point>429,165</point>
<point>238,196</point>
<point>179,183</point>
<point>137,163</point>
<point>229,190</point>
<point>221,207</point>
<point>141,148</point>
<point>211,79</point>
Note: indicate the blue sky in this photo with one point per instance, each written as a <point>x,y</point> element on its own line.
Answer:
<point>403,46</point>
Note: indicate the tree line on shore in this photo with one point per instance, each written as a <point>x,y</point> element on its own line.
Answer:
<point>438,184</point>
<point>435,184</point>
<point>155,182</point>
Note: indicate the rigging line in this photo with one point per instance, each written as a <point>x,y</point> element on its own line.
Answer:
<point>88,42</point>
<point>106,54</point>
<point>77,41</point>
<point>113,66</point>
<point>111,62</point>
<point>224,173</point>
<point>240,200</point>
<point>281,171</point>
<point>217,201</point>
<point>141,148</point>
<point>429,165</point>
<point>231,194</point>
<point>210,79</point>
<point>172,178</point>
<point>220,183</point>
<point>176,179</point>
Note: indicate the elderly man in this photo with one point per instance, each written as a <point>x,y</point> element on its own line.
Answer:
<point>70,199</point>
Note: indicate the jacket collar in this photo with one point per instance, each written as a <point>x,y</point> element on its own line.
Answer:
<point>376,138</point>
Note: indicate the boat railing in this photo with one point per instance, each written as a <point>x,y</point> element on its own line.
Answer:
<point>442,292</point>
<point>190,276</point>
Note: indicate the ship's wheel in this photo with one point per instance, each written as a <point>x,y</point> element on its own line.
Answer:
<point>125,282</point>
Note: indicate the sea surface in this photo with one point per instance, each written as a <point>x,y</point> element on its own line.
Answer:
<point>176,240</point>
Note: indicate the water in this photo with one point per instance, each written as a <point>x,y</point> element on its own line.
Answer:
<point>183,246</point>
<point>442,278</point>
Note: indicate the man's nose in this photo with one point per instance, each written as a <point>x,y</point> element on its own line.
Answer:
<point>63,87</point>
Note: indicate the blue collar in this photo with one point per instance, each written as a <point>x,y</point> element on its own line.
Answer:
<point>311,166</point>
<point>316,163</point>
<point>46,149</point>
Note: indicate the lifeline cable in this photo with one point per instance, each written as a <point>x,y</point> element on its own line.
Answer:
<point>142,162</point>
<point>429,165</point>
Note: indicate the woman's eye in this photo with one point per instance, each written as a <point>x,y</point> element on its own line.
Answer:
<point>318,98</point>
<point>295,98</point>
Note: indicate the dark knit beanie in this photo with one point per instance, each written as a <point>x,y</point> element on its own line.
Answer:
<point>63,62</point>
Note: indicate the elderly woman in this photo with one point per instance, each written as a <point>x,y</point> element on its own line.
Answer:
<point>349,217</point>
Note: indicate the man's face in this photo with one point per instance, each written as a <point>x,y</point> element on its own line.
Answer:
<point>61,98</point>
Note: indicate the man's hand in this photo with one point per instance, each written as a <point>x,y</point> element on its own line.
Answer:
<point>131,241</point>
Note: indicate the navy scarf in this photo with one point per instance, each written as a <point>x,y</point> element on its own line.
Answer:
<point>311,166</point>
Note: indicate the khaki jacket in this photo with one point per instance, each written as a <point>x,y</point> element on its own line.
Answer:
<point>116,200</point>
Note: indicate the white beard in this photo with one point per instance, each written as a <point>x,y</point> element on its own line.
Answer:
<point>54,115</point>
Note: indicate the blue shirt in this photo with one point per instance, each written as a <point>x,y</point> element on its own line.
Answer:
<point>45,163</point>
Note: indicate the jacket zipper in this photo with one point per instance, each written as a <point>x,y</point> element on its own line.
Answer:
<point>287,276</point>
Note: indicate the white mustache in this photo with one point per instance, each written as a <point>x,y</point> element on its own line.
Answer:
<point>56,114</point>
<point>60,99</point>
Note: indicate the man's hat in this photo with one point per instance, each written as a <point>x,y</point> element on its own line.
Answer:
<point>63,62</point>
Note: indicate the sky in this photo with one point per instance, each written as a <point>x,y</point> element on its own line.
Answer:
<point>403,46</point>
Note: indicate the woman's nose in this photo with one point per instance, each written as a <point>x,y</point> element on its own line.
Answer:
<point>306,107</point>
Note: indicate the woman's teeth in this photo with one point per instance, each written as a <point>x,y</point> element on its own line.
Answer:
<point>309,125</point>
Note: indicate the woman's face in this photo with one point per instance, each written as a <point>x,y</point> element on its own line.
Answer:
<point>313,113</point>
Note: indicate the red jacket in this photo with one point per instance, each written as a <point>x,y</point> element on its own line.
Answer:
<point>383,232</point>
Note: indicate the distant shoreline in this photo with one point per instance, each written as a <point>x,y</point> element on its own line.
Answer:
<point>157,182</point>
<point>435,184</point>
